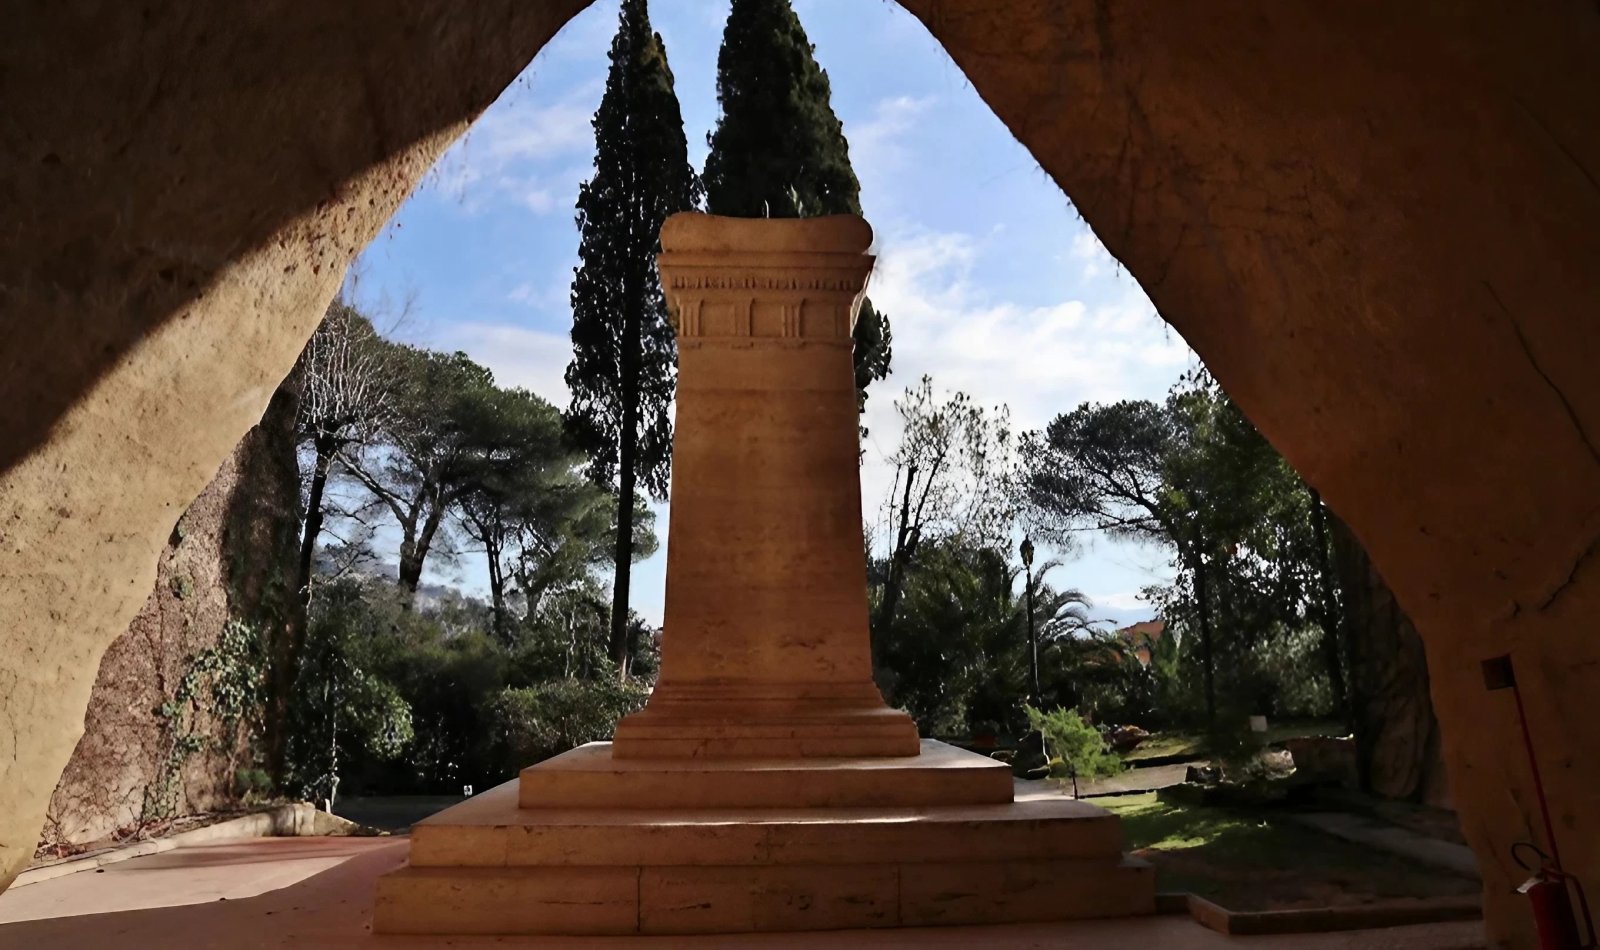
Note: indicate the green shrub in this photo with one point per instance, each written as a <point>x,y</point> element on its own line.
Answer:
<point>1073,746</point>
<point>252,785</point>
<point>537,722</point>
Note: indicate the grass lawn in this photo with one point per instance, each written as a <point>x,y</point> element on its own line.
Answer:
<point>1244,861</point>
<point>1193,744</point>
<point>1167,743</point>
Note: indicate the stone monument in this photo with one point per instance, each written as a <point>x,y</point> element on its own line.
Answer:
<point>766,786</point>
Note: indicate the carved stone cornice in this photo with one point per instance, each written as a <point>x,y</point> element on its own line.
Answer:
<point>745,283</point>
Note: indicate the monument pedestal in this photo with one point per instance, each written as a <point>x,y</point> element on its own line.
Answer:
<point>681,846</point>
<point>765,720</point>
<point>766,786</point>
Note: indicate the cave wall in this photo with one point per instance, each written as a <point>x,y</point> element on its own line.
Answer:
<point>1396,730</point>
<point>1377,223</point>
<point>184,186</point>
<point>225,559</point>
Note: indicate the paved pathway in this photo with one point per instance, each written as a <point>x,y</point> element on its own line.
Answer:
<point>1393,839</point>
<point>278,893</point>
<point>1131,780</point>
<point>393,812</point>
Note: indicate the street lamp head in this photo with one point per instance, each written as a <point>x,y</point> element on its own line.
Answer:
<point>1027,552</point>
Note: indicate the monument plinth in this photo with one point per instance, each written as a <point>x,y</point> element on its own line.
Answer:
<point>766,649</point>
<point>766,785</point>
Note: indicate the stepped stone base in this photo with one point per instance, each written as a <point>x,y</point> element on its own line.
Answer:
<point>792,720</point>
<point>656,846</point>
<point>591,777</point>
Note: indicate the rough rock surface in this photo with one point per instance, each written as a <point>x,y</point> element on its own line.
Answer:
<point>1376,222</point>
<point>227,558</point>
<point>184,185</point>
<point>1396,730</point>
<point>1377,225</point>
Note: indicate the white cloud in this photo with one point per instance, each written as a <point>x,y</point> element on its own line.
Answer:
<point>1122,600</point>
<point>549,295</point>
<point>1104,345</point>
<point>523,149</point>
<point>877,145</point>
<point>532,359</point>
<point>526,292</point>
<point>586,36</point>
<point>1096,259</point>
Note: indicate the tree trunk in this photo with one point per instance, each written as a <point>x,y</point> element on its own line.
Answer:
<point>288,641</point>
<point>1208,655</point>
<point>894,583</point>
<point>1397,735</point>
<point>627,477</point>
<point>1328,614</point>
<point>325,450</point>
<point>497,586</point>
<point>414,548</point>
<point>411,557</point>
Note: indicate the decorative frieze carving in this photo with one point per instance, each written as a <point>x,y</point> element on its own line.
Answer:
<point>764,282</point>
<point>785,313</point>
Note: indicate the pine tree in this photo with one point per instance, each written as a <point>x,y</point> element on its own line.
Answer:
<point>779,151</point>
<point>624,362</point>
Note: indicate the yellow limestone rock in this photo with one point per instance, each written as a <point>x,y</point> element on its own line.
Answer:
<point>766,786</point>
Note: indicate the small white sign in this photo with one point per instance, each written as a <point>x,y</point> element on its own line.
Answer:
<point>466,791</point>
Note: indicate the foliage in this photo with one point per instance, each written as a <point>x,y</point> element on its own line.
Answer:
<point>1102,676</point>
<point>345,381</point>
<point>953,473</point>
<point>624,362</point>
<point>400,700</point>
<point>225,683</point>
<point>873,352</point>
<point>426,460</point>
<point>533,723</point>
<point>779,151</point>
<point>956,658</point>
<point>1253,588</point>
<point>1074,747</point>
<point>341,712</point>
<point>539,524</point>
<point>252,785</point>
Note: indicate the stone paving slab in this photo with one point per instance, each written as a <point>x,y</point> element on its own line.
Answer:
<point>295,819</point>
<point>277,893</point>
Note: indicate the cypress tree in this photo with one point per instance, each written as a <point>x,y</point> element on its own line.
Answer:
<point>779,151</point>
<point>624,362</point>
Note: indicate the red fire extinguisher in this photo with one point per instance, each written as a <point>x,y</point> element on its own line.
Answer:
<point>1551,901</point>
<point>1550,889</point>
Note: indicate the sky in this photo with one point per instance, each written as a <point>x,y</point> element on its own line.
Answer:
<point>992,284</point>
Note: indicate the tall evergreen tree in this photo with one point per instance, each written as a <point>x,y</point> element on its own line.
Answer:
<point>779,151</point>
<point>624,363</point>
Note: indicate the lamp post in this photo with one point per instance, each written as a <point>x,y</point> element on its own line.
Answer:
<point>1033,639</point>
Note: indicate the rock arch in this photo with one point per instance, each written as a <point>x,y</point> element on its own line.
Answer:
<point>1378,224</point>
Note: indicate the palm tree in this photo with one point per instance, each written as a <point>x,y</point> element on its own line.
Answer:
<point>957,658</point>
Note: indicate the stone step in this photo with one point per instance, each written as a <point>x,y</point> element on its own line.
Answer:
<point>589,777</point>
<point>704,900</point>
<point>491,831</point>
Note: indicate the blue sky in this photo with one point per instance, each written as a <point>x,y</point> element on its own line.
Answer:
<point>991,282</point>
